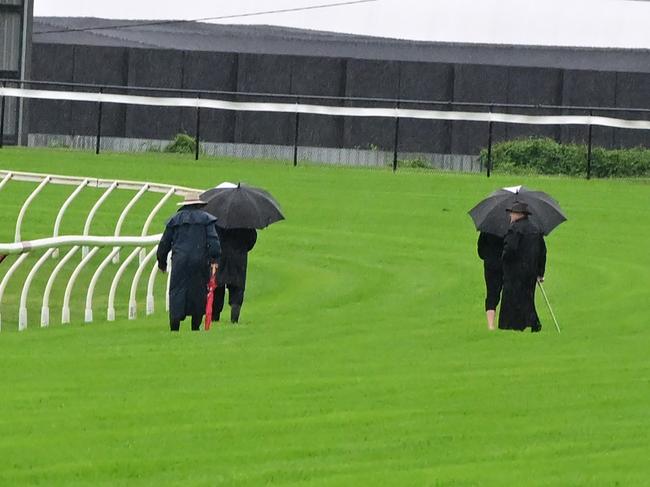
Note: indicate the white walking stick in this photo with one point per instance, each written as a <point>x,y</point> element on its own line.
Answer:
<point>557,326</point>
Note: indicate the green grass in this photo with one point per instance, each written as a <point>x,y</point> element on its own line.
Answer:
<point>363,357</point>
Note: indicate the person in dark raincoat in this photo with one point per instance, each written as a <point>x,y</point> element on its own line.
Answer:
<point>524,263</point>
<point>235,245</point>
<point>490,249</point>
<point>191,237</point>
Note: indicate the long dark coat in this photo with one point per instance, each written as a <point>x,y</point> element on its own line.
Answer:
<point>193,241</point>
<point>235,245</point>
<point>524,260</point>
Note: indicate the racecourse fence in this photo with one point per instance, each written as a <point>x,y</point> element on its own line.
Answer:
<point>140,249</point>
<point>299,120</point>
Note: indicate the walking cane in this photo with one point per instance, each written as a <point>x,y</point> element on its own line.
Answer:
<point>557,326</point>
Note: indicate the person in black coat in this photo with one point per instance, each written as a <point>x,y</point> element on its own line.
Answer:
<point>524,263</point>
<point>490,248</point>
<point>191,237</point>
<point>235,245</point>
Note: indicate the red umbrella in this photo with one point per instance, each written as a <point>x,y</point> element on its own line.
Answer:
<point>212,285</point>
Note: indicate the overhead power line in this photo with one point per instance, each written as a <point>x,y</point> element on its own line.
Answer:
<point>205,19</point>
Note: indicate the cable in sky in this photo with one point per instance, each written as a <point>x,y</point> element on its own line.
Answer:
<point>205,19</point>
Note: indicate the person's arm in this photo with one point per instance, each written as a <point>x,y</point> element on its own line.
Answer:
<point>214,246</point>
<point>252,238</point>
<point>541,269</point>
<point>164,247</point>
<point>511,244</point>
<point>481,245</point>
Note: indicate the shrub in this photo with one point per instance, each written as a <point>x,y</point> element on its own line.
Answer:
<point>417,163</point>
<point>546,156</point>
<point>182,144</point>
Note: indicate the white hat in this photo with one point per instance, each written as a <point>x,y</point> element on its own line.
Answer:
<point>191,199</point>
<point>226,185</point>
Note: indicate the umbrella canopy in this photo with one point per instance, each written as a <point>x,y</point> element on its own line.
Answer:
<point>490,215</point>
<point>242,206</point>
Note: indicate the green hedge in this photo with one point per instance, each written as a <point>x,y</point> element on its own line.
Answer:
<point>546,156</point>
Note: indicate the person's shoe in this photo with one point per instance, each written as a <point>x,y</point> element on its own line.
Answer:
<point>234,313</point>
<point>536,328</point>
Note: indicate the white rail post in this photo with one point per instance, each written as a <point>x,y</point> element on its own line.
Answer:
<point>64,207</point>
<point>110,313</point>
<point>136,280</point>
<point>65,310</point>
<point>22,313</point>
<point>7,276</point>
<point>150,284</point>
<point>152,215</point>
<point>125,212</point>
<point>28,201</point>
<point>6,179</point>
<point>93,282</point>
<point>45,308</point>
<point>93,211</point>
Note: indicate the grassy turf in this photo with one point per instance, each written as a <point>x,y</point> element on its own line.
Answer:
<point>362,358</point>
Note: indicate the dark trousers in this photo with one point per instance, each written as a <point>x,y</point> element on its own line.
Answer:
<point>235,298</point>
<point>493,284</point>
<point>175,325</point>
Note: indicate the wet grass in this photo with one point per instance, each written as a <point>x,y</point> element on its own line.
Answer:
<point>362,358</point>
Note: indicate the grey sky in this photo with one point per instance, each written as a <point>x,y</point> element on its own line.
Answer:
<point>602,23</point>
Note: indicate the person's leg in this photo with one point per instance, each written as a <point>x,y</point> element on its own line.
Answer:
<point>236,300</point>
<point>493,284</point>
<point>174,323</point>
<point>490,314</point>
<point>196,322</point>
<point>217,303</point>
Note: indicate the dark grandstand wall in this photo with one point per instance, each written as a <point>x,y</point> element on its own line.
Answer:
<point>324,76</point>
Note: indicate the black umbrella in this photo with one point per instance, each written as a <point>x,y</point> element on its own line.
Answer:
<point>490,215</point>
<point>242,206</point>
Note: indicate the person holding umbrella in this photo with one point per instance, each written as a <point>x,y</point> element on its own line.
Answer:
<point>524,262</point>
<point>490,249</point>
<point>235,245</point>
<point>191,237</point>
<point>523,216</point>
<point>240,210</point>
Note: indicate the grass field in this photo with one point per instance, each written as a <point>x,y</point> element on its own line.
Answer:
<point>362,358</point>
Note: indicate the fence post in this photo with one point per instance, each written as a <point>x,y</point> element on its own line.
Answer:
<point>99,125</point>
<point>489,156</point>
<point>2,118</point>
<point>396,144</point>
<point>296,132</point>
<point>589,144</point>
<point>198,133</point>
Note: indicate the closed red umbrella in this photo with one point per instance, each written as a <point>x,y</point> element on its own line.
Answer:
<point>212,285</point>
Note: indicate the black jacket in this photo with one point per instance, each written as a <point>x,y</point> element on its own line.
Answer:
<point>235,245</point>
<point>490,250</point>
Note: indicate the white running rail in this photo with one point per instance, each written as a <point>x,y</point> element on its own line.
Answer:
<point>39,251</point>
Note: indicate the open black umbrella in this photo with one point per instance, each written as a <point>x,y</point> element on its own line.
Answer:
<point>241,206</point>
<point>490,215</point>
